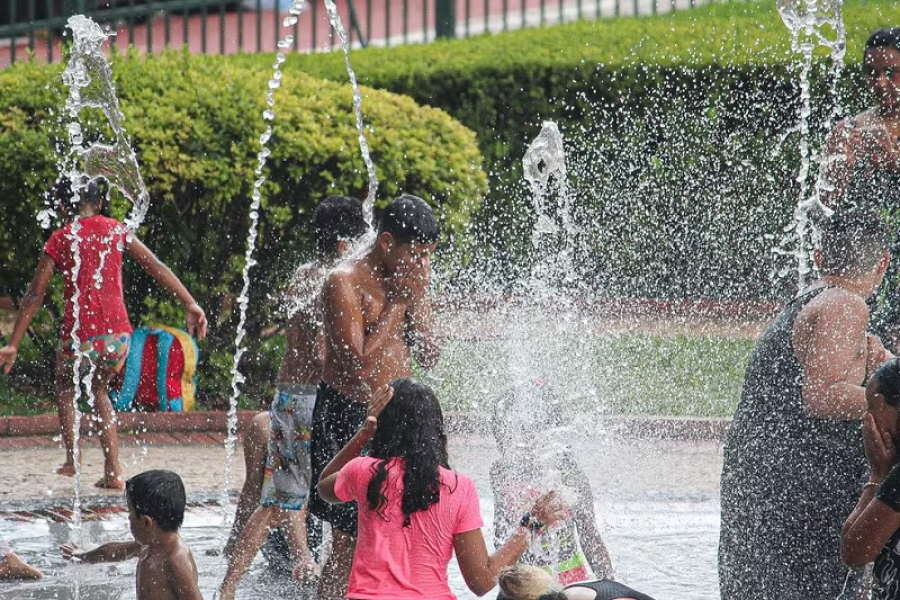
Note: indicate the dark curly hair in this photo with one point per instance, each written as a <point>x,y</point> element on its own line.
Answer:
<point>411,428</point>
<point>886,379</point>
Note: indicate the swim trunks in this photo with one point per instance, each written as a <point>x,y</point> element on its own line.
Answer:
<point>287,474</point>
<point>105,352</point>
<point>336,419</point>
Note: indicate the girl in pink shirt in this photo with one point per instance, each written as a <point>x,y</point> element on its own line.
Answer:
<point>103,333</point>
<point>414,511</point>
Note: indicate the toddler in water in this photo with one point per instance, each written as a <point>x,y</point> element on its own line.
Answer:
<point>103,333</point>
<point>573,548</point>
<point>166,568</point>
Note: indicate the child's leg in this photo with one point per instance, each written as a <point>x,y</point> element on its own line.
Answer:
<point>13,567</point>
<point>65,407</point>
<point>255,451</point>
<point>109,435</point>
<point>247,545</point>
<point>294,524</point>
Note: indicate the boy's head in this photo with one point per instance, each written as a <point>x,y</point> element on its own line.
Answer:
<point>854,243</point>
<point>883,397</point>
<point>336,219</point>
<point>158,495</point>
<point>408,233</point>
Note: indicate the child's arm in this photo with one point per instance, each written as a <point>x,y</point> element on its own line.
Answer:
<point>28,307</point>
<point>109,552</point>
<point>193,314</point>
<point>182,576</point>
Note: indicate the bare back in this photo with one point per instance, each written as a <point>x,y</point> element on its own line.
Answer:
<point>365,341</point>
<point>304,354</point>
<point>167,572</point>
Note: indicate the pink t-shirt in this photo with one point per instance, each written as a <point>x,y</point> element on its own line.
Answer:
<point>101,304</point>
<point>393,562</point>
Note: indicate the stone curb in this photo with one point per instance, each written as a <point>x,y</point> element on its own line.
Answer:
<point>208,427</point>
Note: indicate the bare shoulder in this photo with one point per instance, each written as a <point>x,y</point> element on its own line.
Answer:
<point>834,307</point>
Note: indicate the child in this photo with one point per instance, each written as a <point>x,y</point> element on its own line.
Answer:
<point>521,421</point>
<point>13,567</point>
<point>281,501</point>
<point>166,568</point>
<point>103,334</point>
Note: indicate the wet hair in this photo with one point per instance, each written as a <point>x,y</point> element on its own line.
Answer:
<point>94,191</point>
<point>336,218</point>
<point>410,428</point>
<point>158,494</point>
<point>853,241</point>
<point>886,380</point>
<point>409,219</point>
<point>889,37</point>
<point>526,582</point>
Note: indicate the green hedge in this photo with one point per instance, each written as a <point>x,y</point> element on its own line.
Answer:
<point>195,122</point>
<point>679,128</point>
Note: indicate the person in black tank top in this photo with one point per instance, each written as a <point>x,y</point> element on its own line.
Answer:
<point>793,457</point>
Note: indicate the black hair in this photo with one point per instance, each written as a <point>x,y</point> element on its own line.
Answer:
<point>889,37</point>
<point>555,595</point>
<point>335,219</point>
<point>853,241</point>
<point>886,379</point>
<point>158,494</point>
<point>409,219</point>
<point>411,428</point>
<point>93,191</point>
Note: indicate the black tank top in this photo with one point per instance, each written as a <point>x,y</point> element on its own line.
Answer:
<point>609,590</point>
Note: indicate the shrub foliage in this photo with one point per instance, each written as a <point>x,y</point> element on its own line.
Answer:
<point>195,122</point>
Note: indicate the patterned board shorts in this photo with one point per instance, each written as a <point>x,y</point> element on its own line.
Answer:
<point>105,352</point>
<point>287,476</point>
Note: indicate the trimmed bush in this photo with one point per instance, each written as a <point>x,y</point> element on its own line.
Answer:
<point>195,122</point>
<point>682,136</point>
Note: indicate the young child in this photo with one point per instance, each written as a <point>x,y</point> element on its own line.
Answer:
<point>573,548</point>
<point>166,568</point>
<point>103,332</point>
<point>13,567</point>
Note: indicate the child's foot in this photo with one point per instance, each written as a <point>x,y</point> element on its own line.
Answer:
<point>306,570</point>
<point>111,482</point>
<point>67,469</point>
<point>13,567</point>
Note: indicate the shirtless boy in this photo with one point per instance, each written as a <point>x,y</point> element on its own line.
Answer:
<point>377,319</point>
<point>166,568</point>
<point>279,497</point>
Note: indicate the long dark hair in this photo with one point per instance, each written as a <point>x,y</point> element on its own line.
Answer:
<point>410,428</point>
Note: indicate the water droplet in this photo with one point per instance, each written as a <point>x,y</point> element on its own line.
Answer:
<point>289,22</point>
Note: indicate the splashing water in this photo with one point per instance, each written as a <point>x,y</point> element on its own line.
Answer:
<point>237,378</point>
<point>369,202</point>
<point>812,23</point>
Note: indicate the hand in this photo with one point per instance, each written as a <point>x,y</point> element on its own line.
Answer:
<point>876,145</point>
<point>379,400</point>
<point>879,448</point>
<point>8,356</point>
<point>875,353</point>
<point>410,280</point>
<point>550,508</point>
<point>305,570</point>
<point>71,552</point>
<point>196,320</point>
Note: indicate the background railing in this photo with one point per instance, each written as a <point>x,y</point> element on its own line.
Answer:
<point>34,29</point>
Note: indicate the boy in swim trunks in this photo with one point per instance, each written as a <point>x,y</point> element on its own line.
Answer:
<point>377,320</point>
<point>99,343</point>
<point>336,223</point>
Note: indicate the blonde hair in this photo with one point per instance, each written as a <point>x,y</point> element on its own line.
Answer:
<point>525,582</point>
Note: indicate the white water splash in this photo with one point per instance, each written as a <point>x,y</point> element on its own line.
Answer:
<point>812,23</point>
<point>369,202</point>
